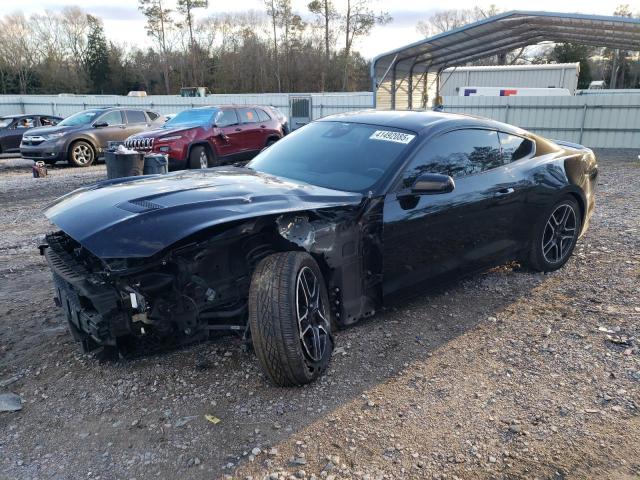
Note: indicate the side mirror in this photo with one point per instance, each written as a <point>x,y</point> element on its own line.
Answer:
<point>432,183</point>
<point>100,124</point>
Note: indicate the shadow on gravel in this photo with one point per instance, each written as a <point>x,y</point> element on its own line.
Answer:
<point>166,396</point>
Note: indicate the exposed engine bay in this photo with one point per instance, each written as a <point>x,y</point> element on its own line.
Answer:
<point>199,287</point>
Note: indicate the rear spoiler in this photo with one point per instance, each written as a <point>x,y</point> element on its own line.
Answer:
<point>564,143</point>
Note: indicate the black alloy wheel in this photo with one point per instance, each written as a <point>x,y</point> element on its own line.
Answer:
<point>555,236</point>
<point>559,233</point>
<point>289,318</point>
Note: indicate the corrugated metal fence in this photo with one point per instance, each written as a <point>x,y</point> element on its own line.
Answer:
<point>321,104</point>
<point>599,121</point>
<point>603,120</point>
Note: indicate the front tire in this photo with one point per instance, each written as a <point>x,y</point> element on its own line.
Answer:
<point>555,236</point>
<point>199,158</point>
<point>289,318</point>
<point>81,154</point>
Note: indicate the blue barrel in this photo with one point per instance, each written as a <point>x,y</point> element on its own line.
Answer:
<point>155,163</point>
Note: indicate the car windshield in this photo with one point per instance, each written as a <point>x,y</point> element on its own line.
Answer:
<point>342,156</point>
<point>196,116</point>
<point>81,118</point>
<point>5,122</point>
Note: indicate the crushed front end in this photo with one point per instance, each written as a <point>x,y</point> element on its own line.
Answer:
<point>146,304</point>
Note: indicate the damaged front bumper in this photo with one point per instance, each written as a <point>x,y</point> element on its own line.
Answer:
<point>146,305</point>
<point>95,310</point>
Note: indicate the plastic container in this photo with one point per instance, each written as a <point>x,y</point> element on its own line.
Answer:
<point>124,164</point>
<point>156,163</point>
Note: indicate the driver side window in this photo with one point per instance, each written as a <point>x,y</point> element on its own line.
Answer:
<point>457,154</point>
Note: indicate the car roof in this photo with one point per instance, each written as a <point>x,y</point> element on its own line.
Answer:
<point>121,108</point>
<point>229,105</point>
<point>26,115</point>
<point>417,121</point>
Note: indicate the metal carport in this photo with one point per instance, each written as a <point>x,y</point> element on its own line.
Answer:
<point>407,77</point>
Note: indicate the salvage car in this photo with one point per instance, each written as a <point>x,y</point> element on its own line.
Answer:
<point>210,136</point>
<point>13,127</point>
<point>315,233</point>
<point>83,137</point>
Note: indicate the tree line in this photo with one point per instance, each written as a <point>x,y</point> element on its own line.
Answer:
<point>275,50</point>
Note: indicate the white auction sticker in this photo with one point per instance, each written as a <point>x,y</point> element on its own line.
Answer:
<point>390,136</point>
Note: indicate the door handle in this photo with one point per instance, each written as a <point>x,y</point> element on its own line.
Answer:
<point>263,126</point>
<point>238,129</point>
<point>504,192</point>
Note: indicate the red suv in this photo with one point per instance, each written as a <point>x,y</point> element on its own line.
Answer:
<point>209,136</point>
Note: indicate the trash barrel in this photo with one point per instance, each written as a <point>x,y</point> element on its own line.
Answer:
<point>156,163</point>
<point>124,164</point>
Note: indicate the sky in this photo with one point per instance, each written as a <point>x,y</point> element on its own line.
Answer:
<point>125,24</point>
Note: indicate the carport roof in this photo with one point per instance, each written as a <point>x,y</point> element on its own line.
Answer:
<point>503,33</point>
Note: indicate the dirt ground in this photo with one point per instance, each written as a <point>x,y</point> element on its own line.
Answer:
<point>507,374</point>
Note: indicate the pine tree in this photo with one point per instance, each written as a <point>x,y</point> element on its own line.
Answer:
<point>97,56</point>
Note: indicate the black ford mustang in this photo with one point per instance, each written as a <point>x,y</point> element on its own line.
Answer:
<point>314,233</point>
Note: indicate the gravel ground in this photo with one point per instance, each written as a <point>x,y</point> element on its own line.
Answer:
<point>507,374</point>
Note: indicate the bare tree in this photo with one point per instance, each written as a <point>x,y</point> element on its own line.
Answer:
<point>326,13</point>
<point>75,27</point>
<point>274,11</point>
<point>159,23</point>
<point>186,8</point>
<point>192,61</point>
<point>446,20</point>
<point>65,52</point>
<point>17,48</point>
<point>359,19</point>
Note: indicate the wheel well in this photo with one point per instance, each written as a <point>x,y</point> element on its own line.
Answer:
<point>89,142</point>
<point>581,205</point>
<point>206,146</point>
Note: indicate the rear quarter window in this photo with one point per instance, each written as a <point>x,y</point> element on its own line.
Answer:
<point>515,148</point>
<point>136,116</point>
<point>248,115</point>
<point>263,116</point>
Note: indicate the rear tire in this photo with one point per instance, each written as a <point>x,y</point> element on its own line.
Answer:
<point>289,318</point>
<point>200,158</point>
<point>81,154</point>
<point>555,236</point>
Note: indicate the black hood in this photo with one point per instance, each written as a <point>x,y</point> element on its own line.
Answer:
<point>140,216</point>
